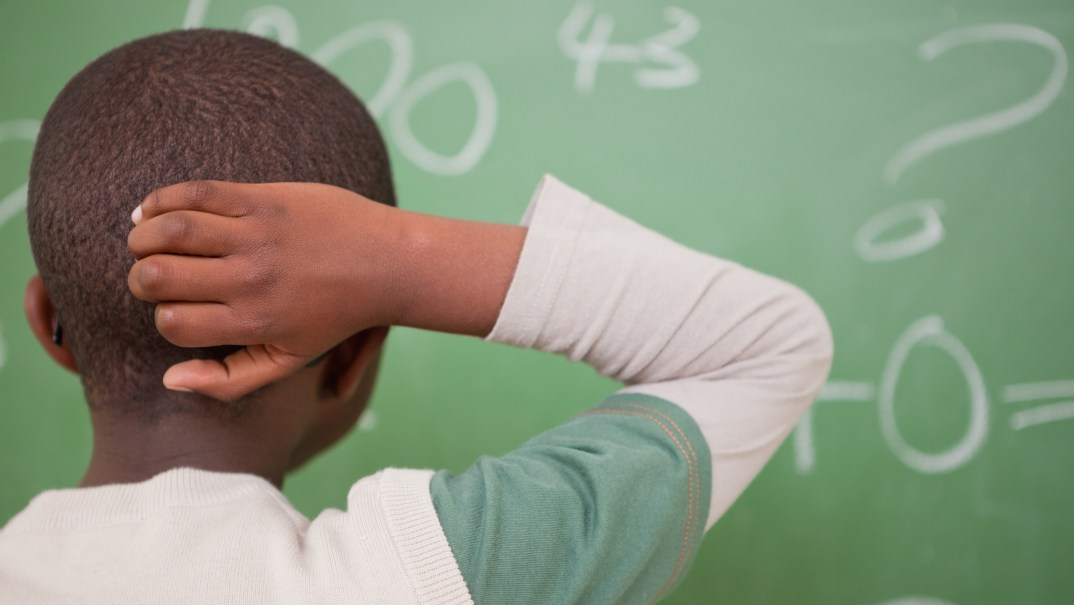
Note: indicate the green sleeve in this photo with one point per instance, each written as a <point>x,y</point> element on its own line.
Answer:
<point>608,508</point>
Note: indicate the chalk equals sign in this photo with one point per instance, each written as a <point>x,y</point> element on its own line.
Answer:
<point>1041,391</point>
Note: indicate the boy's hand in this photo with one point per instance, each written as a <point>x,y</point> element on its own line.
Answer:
<point>287,269</point>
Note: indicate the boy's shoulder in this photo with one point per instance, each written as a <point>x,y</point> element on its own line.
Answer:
<point>609,507</point>
<point>191,536</point>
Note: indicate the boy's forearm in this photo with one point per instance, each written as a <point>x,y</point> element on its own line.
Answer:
<point>452,275</point>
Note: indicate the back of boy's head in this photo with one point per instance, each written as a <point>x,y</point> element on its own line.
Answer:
<point>174,107</point>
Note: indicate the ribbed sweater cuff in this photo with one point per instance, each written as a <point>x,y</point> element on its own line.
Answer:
<point>555,217</point>
<point>424,549</point>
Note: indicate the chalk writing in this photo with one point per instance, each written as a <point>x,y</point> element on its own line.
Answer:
<point>993,123</point>
<point>675,70</point>
<point>397,95</point>
<point>836,390</point>
<point>3,349</point>
<point>195,14</point>
<point>16,130</point>
<point>805,452</point>
<point>926,332</point>
<point>929,331</point>
<point>1038,391</point>
<point>402,57</point>
<point>917,600</point>
<point>1031,391</point>
<point>480,137</point>
<point>929,234</point>
<point>928,211</point>
<point>368,422</point>
<point>1043,415</point>
<point>273,22</point>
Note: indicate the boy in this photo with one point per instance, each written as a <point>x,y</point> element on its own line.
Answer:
<point>180,502</point>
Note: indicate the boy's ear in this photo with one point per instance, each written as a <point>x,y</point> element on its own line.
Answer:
<point>348,362</point>
<point>43,322</point>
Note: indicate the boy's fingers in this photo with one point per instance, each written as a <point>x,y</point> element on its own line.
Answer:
<point>183,232</point>
<point>239,374</point>
<point>200,324</point>
<point>215,197</point>
<point>171,278</point>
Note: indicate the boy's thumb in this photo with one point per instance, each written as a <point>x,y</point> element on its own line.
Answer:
<point>239,374</point>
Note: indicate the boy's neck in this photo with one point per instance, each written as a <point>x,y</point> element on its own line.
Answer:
<point>127,450</point>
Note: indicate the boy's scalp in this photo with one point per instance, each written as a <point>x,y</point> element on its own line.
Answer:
<point>175,107</point>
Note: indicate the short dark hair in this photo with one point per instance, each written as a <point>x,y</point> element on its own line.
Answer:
<point>179,106</point>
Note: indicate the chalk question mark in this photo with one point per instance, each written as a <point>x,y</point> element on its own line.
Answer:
<point>927,212</point>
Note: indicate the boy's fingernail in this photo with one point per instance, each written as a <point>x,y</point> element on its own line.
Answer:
<point>173,387</point>
<point>136,216</point>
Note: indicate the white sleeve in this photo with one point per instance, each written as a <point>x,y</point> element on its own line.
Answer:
<point>743,353</point>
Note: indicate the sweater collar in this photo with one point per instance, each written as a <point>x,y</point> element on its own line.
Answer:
<point>82,507</point>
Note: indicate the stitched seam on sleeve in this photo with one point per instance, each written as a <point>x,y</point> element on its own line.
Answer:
<point>694,469</point>
<point>532,322</point>
<point>554,269</point>
<point>669,419</point>
<point>691,512</point>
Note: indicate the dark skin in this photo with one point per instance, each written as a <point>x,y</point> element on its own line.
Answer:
<point>274,438</point>
<point>333,269</point>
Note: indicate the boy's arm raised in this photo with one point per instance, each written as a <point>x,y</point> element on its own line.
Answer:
<point>743,353</point>
<point>720,361</point>
<point>289,270</point>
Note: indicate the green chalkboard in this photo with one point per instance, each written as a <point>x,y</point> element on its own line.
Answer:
<point>910,163</point>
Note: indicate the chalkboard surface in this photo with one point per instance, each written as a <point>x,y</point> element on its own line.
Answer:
<point>909,163</point>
